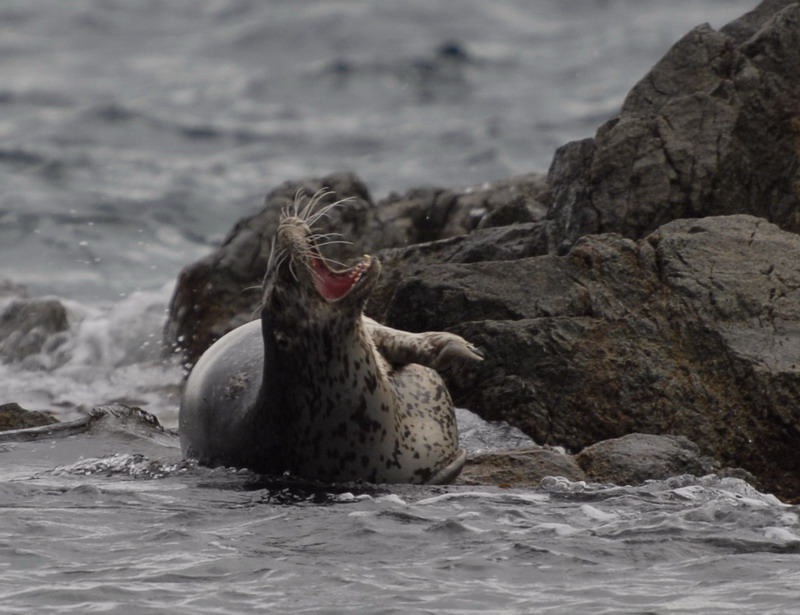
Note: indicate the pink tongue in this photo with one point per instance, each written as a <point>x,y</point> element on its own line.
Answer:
<point>332,286</point>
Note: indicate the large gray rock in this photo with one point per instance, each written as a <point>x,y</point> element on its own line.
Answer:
<point>693,331</point>
<point>712,129</point>
<point>637,457</point>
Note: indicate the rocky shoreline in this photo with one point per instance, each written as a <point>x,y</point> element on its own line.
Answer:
<point>639,306</point>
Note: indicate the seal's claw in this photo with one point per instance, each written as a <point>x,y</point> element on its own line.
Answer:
<point>450,349</point>
<point>476,354</point>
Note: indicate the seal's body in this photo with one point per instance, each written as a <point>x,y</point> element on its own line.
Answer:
<point>317,389</point>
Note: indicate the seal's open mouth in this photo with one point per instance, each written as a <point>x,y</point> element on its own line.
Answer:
<point>333,285</point>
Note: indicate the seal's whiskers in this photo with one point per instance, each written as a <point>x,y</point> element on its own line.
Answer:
<point>324,211</point>
<point>291,269</point>
<point>313,202</point>
<point>271,256</point>
<point>333,242</point>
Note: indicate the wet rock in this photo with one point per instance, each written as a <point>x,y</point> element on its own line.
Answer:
<point>629,460</point>
<point>637,457</point>
<point>113,419</point>
<point>712,129</point>
<point>519,468</point>
<point>693,331</point>
<point>430,214</point>
<point>31,326</point>
<point>12,416</point>
<point>503,243</point>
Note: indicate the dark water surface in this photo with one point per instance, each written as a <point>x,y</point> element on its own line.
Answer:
<point>134,133</point>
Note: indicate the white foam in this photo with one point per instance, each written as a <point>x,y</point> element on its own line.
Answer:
<point>597,514</point>
<point>780,534</point>
<point>528,498</point>
<point>109,353</point>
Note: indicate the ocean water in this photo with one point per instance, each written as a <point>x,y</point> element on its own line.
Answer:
<point>130,528</point>
<point>134,134</point>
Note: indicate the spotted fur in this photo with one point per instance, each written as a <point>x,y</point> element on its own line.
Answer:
<point>317,389</point>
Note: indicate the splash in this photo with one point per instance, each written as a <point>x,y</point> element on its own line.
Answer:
<point>107,354</point>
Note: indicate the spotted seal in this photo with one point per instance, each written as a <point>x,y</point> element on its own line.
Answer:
<point>317,389</point>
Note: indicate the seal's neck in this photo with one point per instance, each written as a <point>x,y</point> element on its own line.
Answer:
<point>330,374</point>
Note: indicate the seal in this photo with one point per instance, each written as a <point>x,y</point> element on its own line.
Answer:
<point>315,388</point>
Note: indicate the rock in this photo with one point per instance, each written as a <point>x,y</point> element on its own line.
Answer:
<point>519,468</point>
<point>426,215</point>
<point>713,128</point>
<point>12,416</point>
<point>113,419</point>
<point>484,244</point>
<point>629,460</point>
<point>221,291</point>
<point>30,326</point>
<point>693,331</point>
<point>638,457</point>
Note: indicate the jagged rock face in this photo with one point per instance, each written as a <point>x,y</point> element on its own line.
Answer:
<point>713,128</point>
<point>694,330</point>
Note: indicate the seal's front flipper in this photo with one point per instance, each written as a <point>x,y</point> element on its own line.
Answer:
<point>450,472</point>
<point>451,349</point>
<point>434,349</point>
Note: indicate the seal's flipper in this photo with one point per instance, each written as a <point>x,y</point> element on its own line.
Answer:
<point>450,472</point>
<point>434,349</point>
<point>452,349</point>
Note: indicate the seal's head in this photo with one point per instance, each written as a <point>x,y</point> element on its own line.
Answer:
<point>304,290</point>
